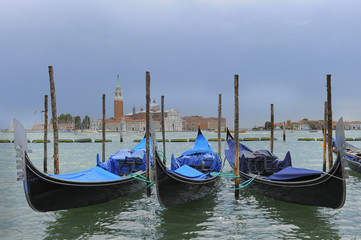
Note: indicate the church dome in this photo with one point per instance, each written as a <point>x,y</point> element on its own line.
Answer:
<point>154,106</point>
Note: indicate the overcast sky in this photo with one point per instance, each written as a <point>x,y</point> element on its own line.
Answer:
<point>282,51</point>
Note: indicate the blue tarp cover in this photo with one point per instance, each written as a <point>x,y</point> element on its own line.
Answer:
<point>201,152</point>
<point>189,172</point>
<point>196,160</point>
<point>95,174</point>
<point>229,150</point>
<point>256,162</point>
<point>142,144</point>
<point>201,145</point>
<point>117,159</point>
<point>201,155</point>
<point>292,173</point>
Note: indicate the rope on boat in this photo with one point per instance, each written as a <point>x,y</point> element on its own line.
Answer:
<point>222,161</point>
<point>335,177</point>
<point>139,177</point>
<point>227,175</point>
<point>231,175</point>
<point>162,155</point>
<point>245,183</point>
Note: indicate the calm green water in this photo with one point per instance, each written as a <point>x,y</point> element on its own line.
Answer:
<point>139,217</point>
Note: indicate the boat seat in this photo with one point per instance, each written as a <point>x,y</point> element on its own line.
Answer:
<point>129,165</point>
<point>261,165</point>
<point>204,168</point>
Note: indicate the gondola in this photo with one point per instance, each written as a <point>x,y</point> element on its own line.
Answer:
<point>352,157</point>
<point>189,178</point>
<point>277,179</point>
<point>45,192</point>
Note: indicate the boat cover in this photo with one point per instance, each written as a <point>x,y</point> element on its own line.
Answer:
<point>201,145</point>
<point>229,150</point>
<point>126,160</point>
<point>95,174</point>
<point>200,155</point>
<point>259,162</point>
<point>292,173</point>
<point>189,172</point>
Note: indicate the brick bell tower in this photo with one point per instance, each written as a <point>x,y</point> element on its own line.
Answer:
<point>118,101</point>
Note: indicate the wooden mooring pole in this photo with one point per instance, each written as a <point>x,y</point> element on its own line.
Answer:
<point>103,131</point>
<point>329,122</point>
<point>147,127</point>
<point>163,128</point>
<point>324,137</point>
<point>284,131</point>
<point>121,131</point>
<point>236,149</point>
<point>272,128</point>
<point>54,120</point>
<point>45,134</point>
<point>219,124</point>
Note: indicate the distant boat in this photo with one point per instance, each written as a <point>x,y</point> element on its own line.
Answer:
<point>46,192</point>
<point>352,156</point>
<point>279,180</point>
<point>189,178</point>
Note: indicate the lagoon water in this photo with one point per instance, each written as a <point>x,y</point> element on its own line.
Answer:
<point>219,216</point>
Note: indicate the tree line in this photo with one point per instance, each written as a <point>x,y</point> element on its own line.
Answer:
<point>78,122</point>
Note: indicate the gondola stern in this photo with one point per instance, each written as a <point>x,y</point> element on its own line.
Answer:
<point>199,131</point>
<point>229,136</point>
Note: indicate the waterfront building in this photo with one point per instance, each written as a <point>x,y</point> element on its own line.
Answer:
<point>136,121</point>
<point>191,123</point>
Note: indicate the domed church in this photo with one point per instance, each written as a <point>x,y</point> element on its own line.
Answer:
<point>135,121</point>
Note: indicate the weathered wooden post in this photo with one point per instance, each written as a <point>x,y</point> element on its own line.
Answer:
<point>55,120</point>
<point>147,126</point>
<point>324,137</point>
<point>163,128</point>
<point>329,122</point>
<point>236,149</point>
<point>103,131</point>
<point>272,128</point>
<point>284,131</point>
<point>121,131</point>
<point>45,134</point>
<point>219,123</point>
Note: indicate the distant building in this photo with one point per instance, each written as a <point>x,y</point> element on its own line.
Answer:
<point>136,121</point>
<point>95,124</point>
<point>191,123</point>
<point>65,127</point>
<point>355,125</point>
<point>302,127</point>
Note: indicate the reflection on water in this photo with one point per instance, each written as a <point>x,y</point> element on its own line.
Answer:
<point>355,175</point>
<point>101,219</point>
<point>293,220</point>
<point>185,221</point>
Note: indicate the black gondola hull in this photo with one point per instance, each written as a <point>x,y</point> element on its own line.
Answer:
<point>173,189</point>
<point>325,190</point>
<point>46,193</point>
<point>353,165</point>
<point>328,190</point>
